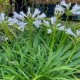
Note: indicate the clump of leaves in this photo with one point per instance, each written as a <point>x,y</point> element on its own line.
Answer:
<point>37,57</point>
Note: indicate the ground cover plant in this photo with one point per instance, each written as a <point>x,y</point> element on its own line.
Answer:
<point>33,47</point>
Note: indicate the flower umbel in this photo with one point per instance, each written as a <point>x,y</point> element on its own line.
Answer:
<point>75,9</point>
<point>59,10</point>
<point>63,3</point>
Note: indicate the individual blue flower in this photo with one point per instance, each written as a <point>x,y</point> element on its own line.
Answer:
<point>69,31</point>
<point>49,31</point>
<point>18,16</point>
<point>37,23</point>
<point>78,32</point>
<point>41,16</point>
<point>29,12</point>
<point>46,23</point>
<point>36,12</point>
<point>12,21</point>
<point>53,20</point>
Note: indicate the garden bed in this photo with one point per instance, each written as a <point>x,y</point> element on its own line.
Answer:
<point>34,47</point>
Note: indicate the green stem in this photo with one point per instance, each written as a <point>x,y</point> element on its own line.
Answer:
<point>37,77</point>
<point>72,53</point>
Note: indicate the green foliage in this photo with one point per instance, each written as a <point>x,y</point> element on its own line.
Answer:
<point>40,57</point>
<point>7,31</point>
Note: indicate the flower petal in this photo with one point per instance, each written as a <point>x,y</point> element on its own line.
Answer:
<point>53,20</point>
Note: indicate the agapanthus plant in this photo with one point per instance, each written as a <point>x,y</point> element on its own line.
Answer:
<point>43,49</point>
